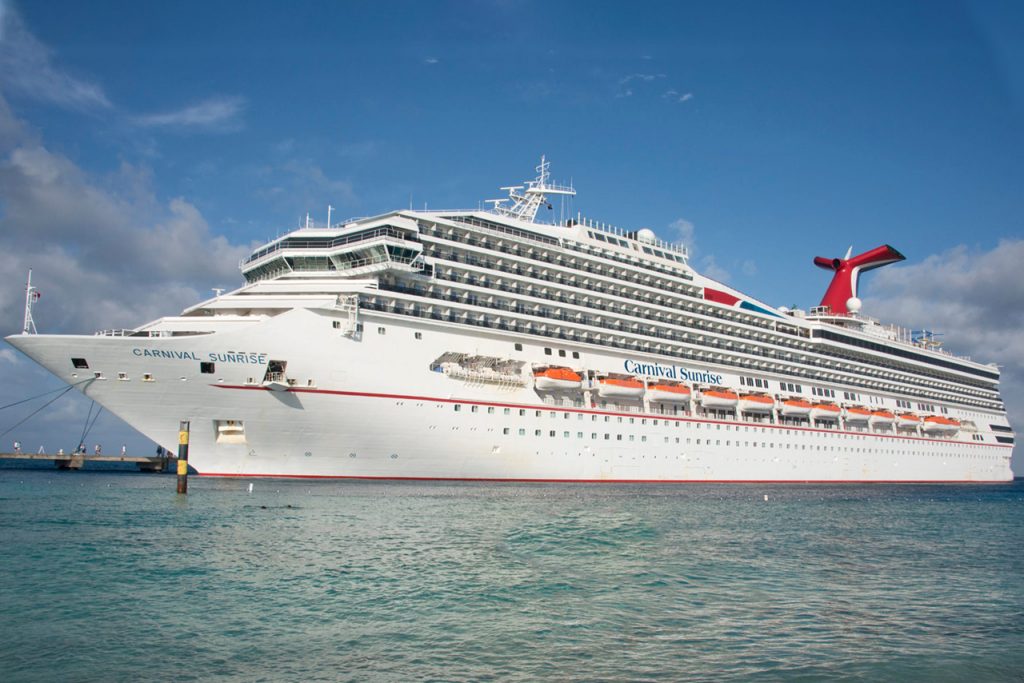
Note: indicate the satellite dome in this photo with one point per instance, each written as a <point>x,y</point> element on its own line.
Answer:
<point>853,304</point>
<point>646,235</point>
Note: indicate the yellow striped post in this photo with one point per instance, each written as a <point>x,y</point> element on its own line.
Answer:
<point>183,429</point>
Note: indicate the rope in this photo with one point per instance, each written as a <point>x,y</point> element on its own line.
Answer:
<point>45,393</point>
<point>39,409</point>
<point>85,427</point>
<point>90,425</point>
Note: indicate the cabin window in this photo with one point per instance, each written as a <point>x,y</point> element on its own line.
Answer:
<point>561,352</point>
<point>80,363</point>
<point>381,330</point>
<point>206,367</point>
<point>418,335</point>
<point>547,351</point>
<point>336,324</point>
<point>575,354</point>
<point>518,347</point>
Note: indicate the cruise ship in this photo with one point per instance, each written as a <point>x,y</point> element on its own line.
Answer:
<point>490,345</point>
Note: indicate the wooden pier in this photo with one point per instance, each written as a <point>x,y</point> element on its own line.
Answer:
<point>75,461</point>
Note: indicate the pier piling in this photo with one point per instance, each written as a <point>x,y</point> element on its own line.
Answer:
<point>183,430</point>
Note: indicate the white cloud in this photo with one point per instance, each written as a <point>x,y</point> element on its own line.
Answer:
<point>626,83</point>
<point>104,252</point>
<point>974,298</point>
<point>683,230</point>
<point>221,113</point>
<point>431,60</point>
<point>8,356</point>
<point>748,268</point>
<point>27,69</point>
<point>710,268</point>
<point>310,182</point>
<point>647,78</point>
<point>676,96</point>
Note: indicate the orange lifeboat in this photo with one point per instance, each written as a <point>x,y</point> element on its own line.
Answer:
<point>825,411</point>
<point>795,407</point>
<point>719,398</point>
<point>756,403</point>
<point>619,387</point>
<point>857,414</point>
<point>881,417</point>
<point>907,420</point>
<point>556,378</point>
<point>668,392</point>
<point>940,425</point>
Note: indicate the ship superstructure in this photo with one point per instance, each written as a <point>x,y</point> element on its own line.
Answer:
<point>488,345</point>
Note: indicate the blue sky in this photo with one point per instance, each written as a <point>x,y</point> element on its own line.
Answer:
<point>133,134</point>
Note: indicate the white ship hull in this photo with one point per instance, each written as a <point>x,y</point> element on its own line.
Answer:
<point>369,407</point>
<point>401,346</point>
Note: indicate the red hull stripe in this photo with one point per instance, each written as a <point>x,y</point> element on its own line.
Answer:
<point>591,411</point>
<point>720,297</point>
<point>498,480</point>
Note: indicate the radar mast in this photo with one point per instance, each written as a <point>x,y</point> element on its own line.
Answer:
<point>523,204</point>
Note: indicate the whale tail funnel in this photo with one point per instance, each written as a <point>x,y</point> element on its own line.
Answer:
<point>843,287</point>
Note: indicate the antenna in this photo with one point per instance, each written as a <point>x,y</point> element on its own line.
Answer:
<point>329,208</point>
<point>31,296</point>
<point>524,204</point>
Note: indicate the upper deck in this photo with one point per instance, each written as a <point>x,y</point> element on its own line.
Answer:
<point>584,280</point>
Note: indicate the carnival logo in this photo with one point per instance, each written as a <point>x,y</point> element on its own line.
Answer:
<point>671,372</point>
<point>229,357</point>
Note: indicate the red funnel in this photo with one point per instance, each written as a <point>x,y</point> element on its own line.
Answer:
<point>844,282</point>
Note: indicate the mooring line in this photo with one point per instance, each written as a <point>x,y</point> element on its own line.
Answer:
<point>45,393</point>
<point>37,410</point>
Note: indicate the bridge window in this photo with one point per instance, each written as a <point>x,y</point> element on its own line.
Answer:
<point>206,367</point>
<point>80,363</point>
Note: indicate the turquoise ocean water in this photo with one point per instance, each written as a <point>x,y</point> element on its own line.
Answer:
<point>110,576</point>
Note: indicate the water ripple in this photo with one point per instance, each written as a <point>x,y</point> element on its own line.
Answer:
<point>112,576</point>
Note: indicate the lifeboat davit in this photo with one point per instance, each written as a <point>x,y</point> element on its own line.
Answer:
<point>825,411</point>
<point>907,420</point>
<point>857,414</point>
<point>795,407</point>
<point>937,424</point>
<point>756,403</point>
<point>719,398</point>
<point>616,387</point>
<point>668,393</point>
<point>881,417</point>
<point>556,379</point>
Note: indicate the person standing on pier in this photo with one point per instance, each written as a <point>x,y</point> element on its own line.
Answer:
<point>124,450</point>
<point>42,451</point>
<point>97,449</point>
<point>17,446</point>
